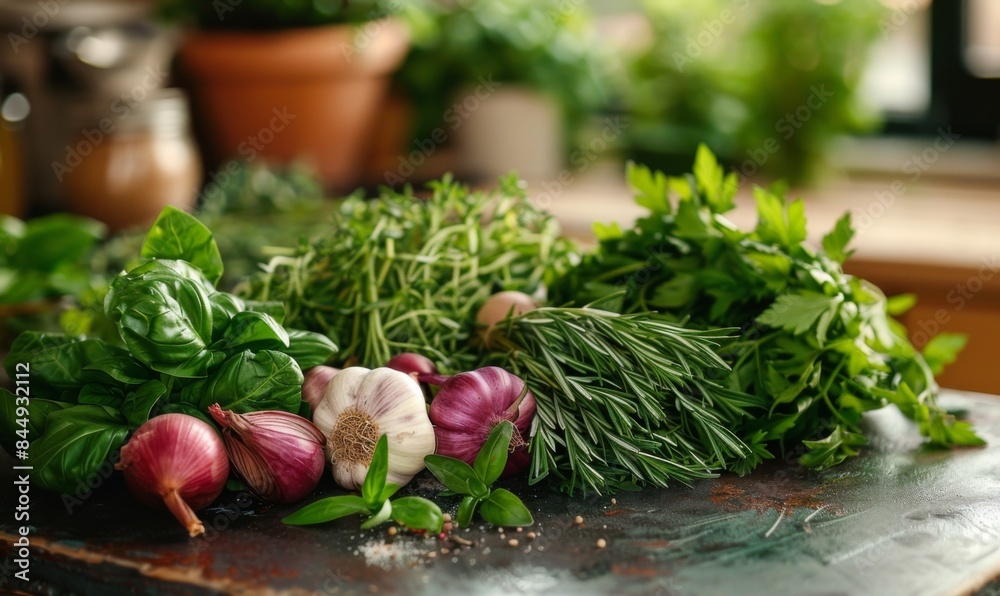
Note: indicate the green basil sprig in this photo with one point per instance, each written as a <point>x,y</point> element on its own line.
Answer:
<point>415,513</point>
<point>498,506</point>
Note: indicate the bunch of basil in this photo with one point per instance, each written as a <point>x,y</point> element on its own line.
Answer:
<point>187,346</point>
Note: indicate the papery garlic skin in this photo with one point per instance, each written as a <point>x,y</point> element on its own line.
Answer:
<point>358,406</point>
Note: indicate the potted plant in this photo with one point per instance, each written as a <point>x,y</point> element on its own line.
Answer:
<point>289,80</point>
<point>509,84</point>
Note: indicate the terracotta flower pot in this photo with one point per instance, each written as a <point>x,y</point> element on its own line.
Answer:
<point>303,94</point>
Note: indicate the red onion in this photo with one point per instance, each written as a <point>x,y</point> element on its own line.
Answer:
<point>470,404</point>
<point>177,461</point>
<point>315,384</point>
<point>279,455</point>
<point>417,366</point>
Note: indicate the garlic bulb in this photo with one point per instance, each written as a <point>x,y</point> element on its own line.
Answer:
<point>360,405</point>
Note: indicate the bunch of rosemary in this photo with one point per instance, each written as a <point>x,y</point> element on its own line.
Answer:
<point>624,400</point>
<point>404,274</point>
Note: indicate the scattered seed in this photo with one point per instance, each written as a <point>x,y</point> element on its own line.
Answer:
<point>446,517</point>
<point>601,543</point>
<point>530,535</point>
<point>513,542</point>
<point>578,520</point>
<point>520,530</point>
<point>373,588</point>
<point>445,551</point>
<point>432,554</point>
<point>500,530</point>
<point>614,501</point>
<point>392,530</point>
<point>462,541</point>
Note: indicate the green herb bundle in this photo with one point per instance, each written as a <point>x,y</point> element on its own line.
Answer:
<point>817,344</point>
<point>624,399</point>
<point>405,274</point>
<point>186,346</point>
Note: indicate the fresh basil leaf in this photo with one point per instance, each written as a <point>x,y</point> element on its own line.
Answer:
<point>139,402</point>
<point>254,331</point>
<point>164,317</point>
<point>100,394</point>
<point>180,236</point>
<point>453,473</point>
<point>38,411</point>
<point>466,509</point>
<point>478,489</point>
<point>78,441</point>
<point>274,308</point>
<point>503,508</point>
<point>225,306</point>
<point>383,515</point>
<point>492,457</point>
<point>309,349</point>
<point>418,513</point>
<point>388,490</point>
<point>327,509</point>
<point>374,484</point>
<point>58,361</point>
<point>122,368</point>
<point>247,382</point>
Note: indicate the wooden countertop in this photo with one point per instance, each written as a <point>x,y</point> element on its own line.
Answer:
<point>900,519</point>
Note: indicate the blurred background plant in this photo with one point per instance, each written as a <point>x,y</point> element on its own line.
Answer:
<point>734,74</point>
<point>550,46</point>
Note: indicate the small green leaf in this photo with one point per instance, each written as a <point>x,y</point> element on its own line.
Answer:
<point>451,472</point>
<point>492,457</point>
<point>943,349</point>
<point>835,243</point>
<point>417,513</point>
<point>179,235</point>
<point>327,509</point>
<point>390,489</point>
<point>309,349</point>
<point>379,518</point>
<point>478,489</point>
<point>650,187</point>
<point>255,331</point>
<point>503,508</point>
<point>832,450</point>
<point>900,303</point>
<point>139,402</point>
<point>717,188</point>
<point>465,511</point>
<point>374,482</point>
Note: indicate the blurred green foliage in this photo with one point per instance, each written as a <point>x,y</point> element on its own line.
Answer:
<point>765,84</point>
<point>547,45</point>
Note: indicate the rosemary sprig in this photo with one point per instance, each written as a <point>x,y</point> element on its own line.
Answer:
<point>405,274</point>
<point>623,399</point>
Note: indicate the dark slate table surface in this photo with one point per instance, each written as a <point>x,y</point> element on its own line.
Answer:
<point>901,519</point>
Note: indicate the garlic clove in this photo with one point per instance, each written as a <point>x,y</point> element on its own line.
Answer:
<point>350,475</point>
<point>341,393</point>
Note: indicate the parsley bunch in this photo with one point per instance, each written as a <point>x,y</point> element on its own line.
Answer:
<point>820,346</point>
